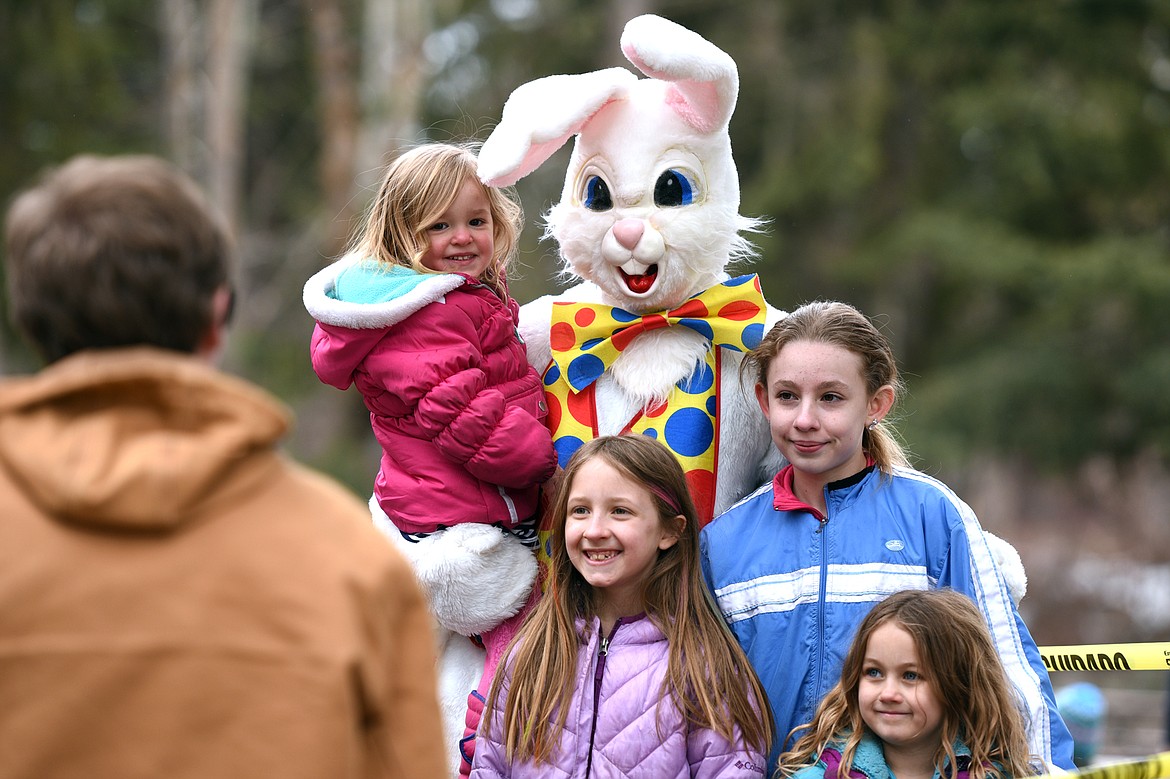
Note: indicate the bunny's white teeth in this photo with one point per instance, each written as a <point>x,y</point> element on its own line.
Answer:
<point>640,283</point>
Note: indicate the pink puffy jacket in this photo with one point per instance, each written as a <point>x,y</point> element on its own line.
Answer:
<point>453,402</point>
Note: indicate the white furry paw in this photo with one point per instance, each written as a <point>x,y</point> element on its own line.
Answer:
<point>474,576</point>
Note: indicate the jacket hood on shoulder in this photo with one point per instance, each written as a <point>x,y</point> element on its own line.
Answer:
<point>362,294</point>
<point>130,438</point>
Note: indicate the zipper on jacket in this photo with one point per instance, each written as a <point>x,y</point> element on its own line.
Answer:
<point>824,586</point>
<point>602,651</point>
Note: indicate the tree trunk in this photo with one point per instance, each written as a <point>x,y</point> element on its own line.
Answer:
<point>337,100</point>
<point>229,35</point>
<point>394,72</point>
<point>206,62</point>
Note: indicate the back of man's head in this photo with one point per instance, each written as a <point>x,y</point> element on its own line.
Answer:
<point>108,252</point>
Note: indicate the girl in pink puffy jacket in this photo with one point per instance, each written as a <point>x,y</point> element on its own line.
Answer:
<point>624,668</point>
<point>417,316</point>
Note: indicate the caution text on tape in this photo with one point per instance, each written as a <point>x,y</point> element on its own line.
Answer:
<point>1153,656</point>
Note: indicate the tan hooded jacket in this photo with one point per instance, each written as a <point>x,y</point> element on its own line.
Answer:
<point>178,599</point>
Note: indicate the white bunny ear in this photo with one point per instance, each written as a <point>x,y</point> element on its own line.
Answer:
<point>540,116</point>
<point>704,79</point>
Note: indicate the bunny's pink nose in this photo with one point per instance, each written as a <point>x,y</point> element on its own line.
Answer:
<point>628,232</point>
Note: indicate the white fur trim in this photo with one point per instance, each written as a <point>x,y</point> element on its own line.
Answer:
<point>1010,565</point>
<point>369,316</point>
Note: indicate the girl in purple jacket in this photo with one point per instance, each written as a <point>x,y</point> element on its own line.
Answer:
<point>624,668</point>
<point>417,316</point>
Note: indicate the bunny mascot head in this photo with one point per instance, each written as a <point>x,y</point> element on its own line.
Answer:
<point>649,209</point>
<point>651,338</point>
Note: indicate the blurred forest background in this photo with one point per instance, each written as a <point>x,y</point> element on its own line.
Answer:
<point>991,180</point>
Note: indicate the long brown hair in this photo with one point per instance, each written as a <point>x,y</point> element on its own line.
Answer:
<point>839,324</point>
<point>708,676</point>
<point>417,188</point>
<point>959,658</point>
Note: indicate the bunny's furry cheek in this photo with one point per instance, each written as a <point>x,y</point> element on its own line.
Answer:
<point>580,233</point>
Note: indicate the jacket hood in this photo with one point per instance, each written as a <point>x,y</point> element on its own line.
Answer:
<point>363,294</point>
<point>130,439</point>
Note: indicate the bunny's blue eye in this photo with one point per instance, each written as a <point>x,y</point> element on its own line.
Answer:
<point>597,197</point>
<point>673,189</point>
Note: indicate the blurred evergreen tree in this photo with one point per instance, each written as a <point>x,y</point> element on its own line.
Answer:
<point>991,180</point>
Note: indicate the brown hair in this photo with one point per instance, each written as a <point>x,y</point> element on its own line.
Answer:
<point>959,658</point>
<point>708,676</point>
<point>839,324</point>
<point>416,189</point>
<point>107,252</point>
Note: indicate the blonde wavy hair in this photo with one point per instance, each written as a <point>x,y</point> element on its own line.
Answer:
<point>418,186</point>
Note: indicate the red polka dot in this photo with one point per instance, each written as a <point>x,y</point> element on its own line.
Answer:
<point>584,317</point>
<point>560,337</point>
<point>739,310</point>
<point>692,308</point>
<point>581,408</point>
<point>702,484</point>
<point>553,420</point>
<point>656,411</point>
<point>621,338</point>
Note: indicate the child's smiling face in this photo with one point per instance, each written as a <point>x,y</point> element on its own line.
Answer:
<point>897,697</point>
<point>462,240</point>
<point>613,533</point>
<point>818,407</point>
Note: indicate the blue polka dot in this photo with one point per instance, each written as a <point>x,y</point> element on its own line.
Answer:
<point>565,446</point>
<point>591,343</point>
<point>650,433</point>
<point>621,315</point>
<point>700,326</point>
<point>712,405</point>
<point>689,432</point>
<point>738,280</point>
<point>584,369</point>
<point>552,375</point>
<point>698,382</point>
<point>753,334</point>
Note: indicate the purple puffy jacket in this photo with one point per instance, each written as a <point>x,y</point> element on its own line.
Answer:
<point>453,402</point>
<point>610,731</point>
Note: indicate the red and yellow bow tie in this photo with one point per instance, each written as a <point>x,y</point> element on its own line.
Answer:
<point>586,337</point>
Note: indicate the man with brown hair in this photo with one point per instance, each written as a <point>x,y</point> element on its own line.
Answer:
<point>177,598</point>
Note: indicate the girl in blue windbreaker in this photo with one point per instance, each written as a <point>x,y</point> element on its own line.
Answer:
<point>624,668</point>
<point>796,566</point>
<point>922,695</point>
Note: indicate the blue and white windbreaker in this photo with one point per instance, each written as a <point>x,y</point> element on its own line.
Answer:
<point>794,587</point>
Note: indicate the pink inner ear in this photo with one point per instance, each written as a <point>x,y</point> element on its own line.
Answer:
<point>697,103</point>
<point>533,159</point>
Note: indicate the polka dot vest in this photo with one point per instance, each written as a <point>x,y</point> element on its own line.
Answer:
<point>587,338</point>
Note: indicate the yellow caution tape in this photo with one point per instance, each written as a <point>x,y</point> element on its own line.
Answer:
<point>1152,767</point>
<point>1154,656</point>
